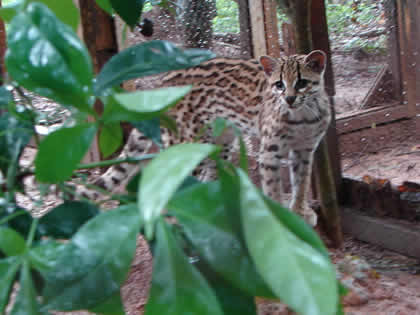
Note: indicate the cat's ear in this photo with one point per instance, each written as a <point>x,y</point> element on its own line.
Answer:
<point>316,61</point>
<point>268,64</point>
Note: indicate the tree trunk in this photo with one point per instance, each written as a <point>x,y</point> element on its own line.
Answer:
<point>197,23</point>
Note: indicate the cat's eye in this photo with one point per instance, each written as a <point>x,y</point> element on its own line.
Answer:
<point>301,84</point>
<point>279,85</point>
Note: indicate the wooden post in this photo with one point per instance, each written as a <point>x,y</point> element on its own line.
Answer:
<point>327,158</point>
<point>271,28</point>
<point>245,29</point>
<point>100,38</point>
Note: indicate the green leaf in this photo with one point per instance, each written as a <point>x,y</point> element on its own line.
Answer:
<point>63,221</point>
<point>149,128</point>
<point>204,219</point>
<point>8,12</point>
<point>112,306</point>
<point>297,273</point>
<point>105,5</point>
<point>61,151</point>
<point>65,10</point>
<point>8,270</point>
<point>232,300</point>
<point>110,138</point>
<point>163,175</point>
<point>43,257</point>
<point>296,225</point>
<point>26,300</point>
<point>128,10</point>
<point>148,58</point>
<point>152,101</point>
<point>45,55</point>
<point>177,287</point>
<point>11,242</point>
<point>15,134</point>
<point>6,96</point>
<point>93,265</point>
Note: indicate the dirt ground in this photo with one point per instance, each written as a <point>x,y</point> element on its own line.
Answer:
<point>382,282</point>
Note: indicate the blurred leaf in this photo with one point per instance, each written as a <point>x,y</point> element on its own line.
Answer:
<point>44,255</point>
<point>110,138</point>
<point>232,300</point>
<point>11,242</point>
<point>204,219</point>
<point>149,128</point>
<point>6,96</point>
<point>177,287</point>
<point>148,58</point>
<point>163,175</point>
<point>112,306</point>
<point>64,220</point>
<point>8,270</point>
<point>45,55</point>
<point>14,136</point>
<point>152,101</point>
<point>93,265</point>
<point>8,11</point>
<point>65,10</point>
<point>26,300</point>
<point>299,275</point>
<point>105,5</point>
<point>128,10</point>
<point>61,151</point>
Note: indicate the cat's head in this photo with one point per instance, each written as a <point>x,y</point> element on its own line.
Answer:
<point>294,77</point>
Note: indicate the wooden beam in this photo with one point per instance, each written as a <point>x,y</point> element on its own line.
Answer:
<point>371,118</point>
<point>388,233</point>
<point>271,28</point>
<point>256,10</point>
<point>245,27</point>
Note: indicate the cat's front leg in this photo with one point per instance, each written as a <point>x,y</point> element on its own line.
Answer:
<point>300,178</point>
<point>271,157</point>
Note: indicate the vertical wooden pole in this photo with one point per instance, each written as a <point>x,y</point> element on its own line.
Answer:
<point>245,29</point>
<point>99,35</point>
<point>327,158</point>
<point>256,11</point>
<point>271,28</point>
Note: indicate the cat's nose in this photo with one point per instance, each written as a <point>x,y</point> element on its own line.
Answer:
<point>290,99</point>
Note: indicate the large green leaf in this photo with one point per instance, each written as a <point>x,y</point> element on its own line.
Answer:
<point>61,151</point>
<point>45,55</point>
<point>204,218</point>
<point>43,257</point>
<point>152,101</point>
<point>112,306</point>
<point>150,128</point>
<point>8,270</point>
<point>11,242</point>
<point>110,138</point>
<point>128,10</point>
<point>105,5</point>
<point>26,300</point>
<point>148,58</point>
<point>93,265</point>
<point>6,96</point>
<point>298,274</point>
<point>14,136</point>
<point>64,220</point>
<point>177,287</point>
<point>232,300</point>
<point>65,10</point>
<point>163,175</point>
<point>9,10</point>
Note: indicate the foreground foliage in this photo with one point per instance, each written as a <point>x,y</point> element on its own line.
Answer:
<point>230,243</point>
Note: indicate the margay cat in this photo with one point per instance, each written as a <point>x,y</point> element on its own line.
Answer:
<point>281,101</point>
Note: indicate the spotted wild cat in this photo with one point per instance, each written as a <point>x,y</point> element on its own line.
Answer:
<point>280,101</point>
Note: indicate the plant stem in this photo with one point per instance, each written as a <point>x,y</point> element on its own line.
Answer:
<point>12,216</point>
<point>116,161</point>
<point>31,235</point>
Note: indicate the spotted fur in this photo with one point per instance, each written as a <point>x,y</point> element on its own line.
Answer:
<point>281,101</point>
